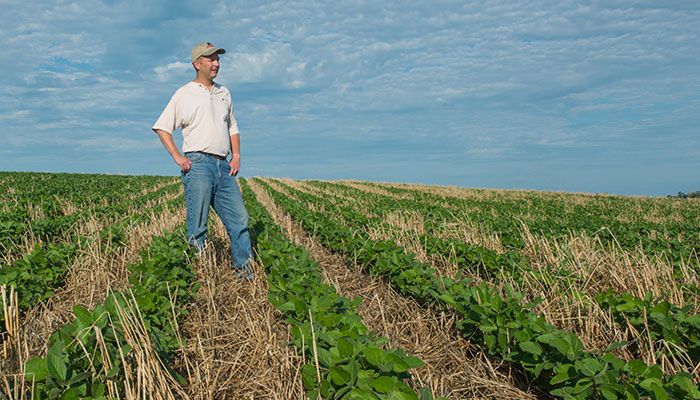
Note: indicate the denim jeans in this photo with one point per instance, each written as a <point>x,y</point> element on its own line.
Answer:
<point>208,183</point>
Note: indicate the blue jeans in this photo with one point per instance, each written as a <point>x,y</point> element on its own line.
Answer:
<point>208,183</point>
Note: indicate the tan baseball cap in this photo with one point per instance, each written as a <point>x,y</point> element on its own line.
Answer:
<point>205,49</point>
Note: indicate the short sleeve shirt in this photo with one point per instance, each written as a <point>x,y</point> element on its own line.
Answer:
<point>206,118</point>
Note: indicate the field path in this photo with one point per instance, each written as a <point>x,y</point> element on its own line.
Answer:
<point>236,343</point>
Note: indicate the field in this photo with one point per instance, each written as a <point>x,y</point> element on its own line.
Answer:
<point>363,290</point>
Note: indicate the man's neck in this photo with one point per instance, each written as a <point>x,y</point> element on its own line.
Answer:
<point>208,83</point>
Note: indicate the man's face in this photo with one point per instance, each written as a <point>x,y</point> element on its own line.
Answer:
<point>208,66</point>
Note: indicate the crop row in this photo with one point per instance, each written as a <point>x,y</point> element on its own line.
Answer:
<point>26,194</point>
<point>664,322</point>
<point>677,238</point>
<point>347,361</point>
<point>36,275</point>
<point>97,354</point>
<point>504,326</point>
<point>53,229</point>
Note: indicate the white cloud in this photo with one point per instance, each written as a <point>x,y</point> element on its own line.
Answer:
<point>14,115</point>
<point>270,63</point>
<point>553,74</point>
<point>165,73</point>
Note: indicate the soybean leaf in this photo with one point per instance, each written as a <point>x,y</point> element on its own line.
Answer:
<point>531,347</point>
<point>83,315</point>
<point>36,369</point>
<point>56,363</point>
<point>345,347</point>
<point>384,384</point>
<point>339,376</point>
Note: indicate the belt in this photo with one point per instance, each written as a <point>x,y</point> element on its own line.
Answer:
<point>209,154</point>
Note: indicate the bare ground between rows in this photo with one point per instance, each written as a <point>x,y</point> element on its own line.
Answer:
<point>236,345</point>
<point>453,368</point>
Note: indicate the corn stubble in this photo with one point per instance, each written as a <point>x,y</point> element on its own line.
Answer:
<point>236,345</point>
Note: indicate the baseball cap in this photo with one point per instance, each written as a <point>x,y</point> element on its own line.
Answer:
<point>205,49</point>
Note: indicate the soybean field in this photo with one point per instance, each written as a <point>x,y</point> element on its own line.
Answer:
<point>362,290</point>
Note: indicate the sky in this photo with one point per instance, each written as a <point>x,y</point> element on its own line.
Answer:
<point>583,96</point>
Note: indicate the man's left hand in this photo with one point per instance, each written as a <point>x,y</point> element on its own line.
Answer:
<point>235,165</point>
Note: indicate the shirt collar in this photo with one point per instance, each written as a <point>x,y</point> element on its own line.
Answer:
<point>201,87</point>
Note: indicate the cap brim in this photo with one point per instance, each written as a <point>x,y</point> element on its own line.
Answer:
<point>213,50</point>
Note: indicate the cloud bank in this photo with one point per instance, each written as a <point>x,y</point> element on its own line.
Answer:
<point>600,97</point>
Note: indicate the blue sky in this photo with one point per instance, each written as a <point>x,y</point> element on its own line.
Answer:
<point>597,96</point>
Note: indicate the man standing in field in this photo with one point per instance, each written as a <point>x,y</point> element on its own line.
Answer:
<point>204,111</point>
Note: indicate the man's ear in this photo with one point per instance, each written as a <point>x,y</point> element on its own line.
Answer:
<point>195,66</point>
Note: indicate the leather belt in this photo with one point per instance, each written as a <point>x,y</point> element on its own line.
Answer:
<point>209,154</point>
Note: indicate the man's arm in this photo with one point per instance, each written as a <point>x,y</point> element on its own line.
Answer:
<point>169,144</point>
<point>235,162</point>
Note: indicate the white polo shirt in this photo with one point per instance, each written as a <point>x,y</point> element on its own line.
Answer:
<point>206,118</point>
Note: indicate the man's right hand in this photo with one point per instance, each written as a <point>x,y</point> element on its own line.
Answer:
<point>167,139</point>
<point>183,162</point>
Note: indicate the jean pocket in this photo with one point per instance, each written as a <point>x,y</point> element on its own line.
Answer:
<point>195,157</point>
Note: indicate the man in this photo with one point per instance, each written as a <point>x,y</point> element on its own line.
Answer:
<point>204,111</point>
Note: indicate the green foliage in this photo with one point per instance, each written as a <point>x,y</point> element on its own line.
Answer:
<point>512,266</point>
<point>682,195</point>
<point>504,327</point>
<point>56,227</point>
<point>75,364</point>
<point>353,362</point>
<point>551,215</point>
<point>36,275</point>
<point>661,320</point>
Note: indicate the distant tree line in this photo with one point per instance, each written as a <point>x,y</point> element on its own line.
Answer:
<point>681,195</point>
